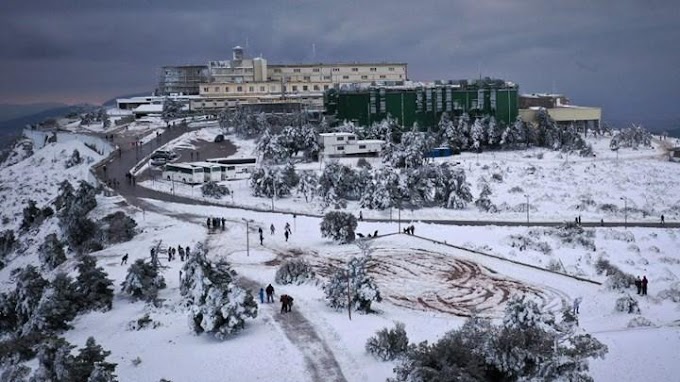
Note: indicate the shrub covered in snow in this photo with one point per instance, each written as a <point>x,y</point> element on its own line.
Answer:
<point>213,190</point>
<point>672,293</point>
<point>339,226</point>
<point>528,345</point>
<point>616,278</point>
<point>143,322</point>
<point>118,227</point>
<point>95,289</point>
<point>294,272</point>
<point>73,207</point>
<point>56,363</point>
<point>216,305</point>
<point>639,321</point>
<point>388,344</point>
<point>143,281</point>
<point>74,159</point>
<point>362,287</point>
<point>627,304</point>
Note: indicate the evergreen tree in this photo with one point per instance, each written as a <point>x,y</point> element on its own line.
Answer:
<point>51,252</point>
<point>90,358</point>
<point>57,307</point>
<point>294,271</point>
<point>31,215</point>
<point>484,202</point>
<point>55,361</point>
<point>339,226</point>
<point>143,281</point>
<point>28,291</point>
<point>307,185</point>
<point>118,227</point>
<point>216,304</point>
<point>362,288</point>
<point>384,191</point>
<point>65,196</point>
<point>477,134</point>
<point>95,289</point>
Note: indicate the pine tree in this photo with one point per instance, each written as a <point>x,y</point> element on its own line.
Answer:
<point>307,185</point>
<point>95,289</point>
<point>216,305</point>
<point>484,202</point>
<point>362,287</point>
<point>339,226</point>
<point>28,291</point>
<point>90,358</point>
<point>143,281</point>
<point>31,215</point>
<point>57,307</point>
<point>51,252</point>
<point>55,361</point>
<point>477,134</point>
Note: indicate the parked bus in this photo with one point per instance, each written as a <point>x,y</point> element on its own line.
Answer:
<point>184,172</point>
<point>235,168</point>
<point>211,171</point>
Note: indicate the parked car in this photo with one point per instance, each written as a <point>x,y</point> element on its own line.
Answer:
<point>168,155</point>
<point>219,138</point>
<point>159,161</point>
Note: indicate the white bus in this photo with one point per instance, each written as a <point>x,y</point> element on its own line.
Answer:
<point>211,171</point>
<point>235,168</point>
<point>184,172</point>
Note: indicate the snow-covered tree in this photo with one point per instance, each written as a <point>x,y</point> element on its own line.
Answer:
<point>341,179</point>
<point>339,226</point>
<point>90,363</point>
<point>383,191</point>
<point>117,227</point>
<point>307,184</point>
<point>632,137</point>
<point>55,362</point>
<point>31,215</point>
<point>143,281</point>
<point>216,305</point>
<point>269,182</point>
<point>363,290</point>
<point>57,307</point>
<point>477,134</point>
<point>74,159</point>
<point>51,252</point>
<point>172,109</point>
<point>19,305</point>
<point>95,289</point>
<point>484,202</point>
<point>213,190</point>
<point>294,271</point>
<point>388,344</point>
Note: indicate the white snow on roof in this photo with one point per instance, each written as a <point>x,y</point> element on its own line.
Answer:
<point>149,108</point>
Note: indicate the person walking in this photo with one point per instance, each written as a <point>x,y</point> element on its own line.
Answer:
<point>124,260</point>
<point>644,285</point>
<point>261,238</point>
<point>288,228</point>
<point>638,285</point>
<point>361,216</point>
<point>284,303</point>
<point>261,295</point>
<point>272,229</point>
<point>663,221</point>
<point>286,234</point>
<point>270,293</point>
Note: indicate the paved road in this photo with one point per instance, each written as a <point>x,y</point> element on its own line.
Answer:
<point>119,164</point>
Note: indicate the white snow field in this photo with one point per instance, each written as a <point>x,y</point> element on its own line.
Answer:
<point>429,281</point>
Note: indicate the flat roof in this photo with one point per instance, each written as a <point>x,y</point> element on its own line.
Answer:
<point>337,134</point>
<point>337,64</point>
<point>149,108</point>
<point>370,141</point>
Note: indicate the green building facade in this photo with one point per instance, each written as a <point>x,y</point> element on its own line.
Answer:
<point>424,105</point>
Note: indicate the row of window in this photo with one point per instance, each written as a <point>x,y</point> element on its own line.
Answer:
<point>317,70</point>
<point>263,89</point>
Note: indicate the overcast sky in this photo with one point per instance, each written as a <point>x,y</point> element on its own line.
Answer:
<point>622,55</point>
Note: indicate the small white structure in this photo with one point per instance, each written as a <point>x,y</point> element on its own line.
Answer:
<point>147,110</point>
<point>184,172</point>
<point>341,144</point>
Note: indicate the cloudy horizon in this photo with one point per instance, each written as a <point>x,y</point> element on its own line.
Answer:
<point>620,56</point>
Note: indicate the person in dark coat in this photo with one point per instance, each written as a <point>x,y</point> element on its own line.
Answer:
<point>261,239</point>
<point>286,234</point>
<point>187,252</point>
<point>261,295</point>
<point>644,285</point>
<point>270,293</point>
<point>272,229</point>
<point>638,285</point>
<point>124,260</point>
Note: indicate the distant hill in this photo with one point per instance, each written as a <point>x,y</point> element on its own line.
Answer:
<point>10,129</point>
<point>13,111</point>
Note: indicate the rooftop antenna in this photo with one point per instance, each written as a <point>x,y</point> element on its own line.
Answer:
<point>479,70</point>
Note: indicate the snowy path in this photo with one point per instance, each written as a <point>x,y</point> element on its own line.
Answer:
<point>319,358</point>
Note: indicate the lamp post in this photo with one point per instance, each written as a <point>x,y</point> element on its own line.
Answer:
<point>625,211</point>
<point>527,196</point>
<point>247,235</point>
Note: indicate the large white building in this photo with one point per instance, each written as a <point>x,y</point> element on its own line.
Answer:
<point>245,80</point>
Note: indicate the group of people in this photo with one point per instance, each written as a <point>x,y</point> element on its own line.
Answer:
<point>272,230</point>
<point>130,178</point>
<point>216,223</point>
<point>183,252</point>
<point>285,299</point>
<point>641,285</point>
<point>409,230</point>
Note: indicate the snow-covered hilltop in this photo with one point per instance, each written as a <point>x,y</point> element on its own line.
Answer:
<point>87,251</point>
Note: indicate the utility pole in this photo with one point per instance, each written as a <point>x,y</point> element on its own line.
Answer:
<point>349,296</point>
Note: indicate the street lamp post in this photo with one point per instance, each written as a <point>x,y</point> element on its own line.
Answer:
<point>625,211</point>
<point>527,196</point>
<point>247,235</point>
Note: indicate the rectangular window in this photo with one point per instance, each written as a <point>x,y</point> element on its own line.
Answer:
<point>325,87</point>
<point>362,147</point>
<point>336,69</point>
<point>226,89</point>
<point>391,69</point>
<point>315,70</point>
<point>316,87</point>
<point>277,70</point>
<point>345,77</point>
<point>340,138</point>
<point>327,77</point>
<point>239,88</point>
<point>306,78</point>
<point>305,88</point>
<point>364,77</point>
<point>206,90</point>
<point>296,70</point>
<point>217,89</point>
<point>383,76</point>
<point>294,88</point>
<point>251,88</point>
<point>341,148</point>
<point>374,69</point>
<point>355,69</point>
<point>261,88</point>
<point>351,138</point>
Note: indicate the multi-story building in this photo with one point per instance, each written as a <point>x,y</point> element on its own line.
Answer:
<point>247,81</point>
<point>424,104</point>
<point>182,80</point>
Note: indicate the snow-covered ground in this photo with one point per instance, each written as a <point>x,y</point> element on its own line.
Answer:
<point>414,274</point>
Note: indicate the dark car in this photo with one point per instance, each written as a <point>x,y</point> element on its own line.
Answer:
<point>219,138</point>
